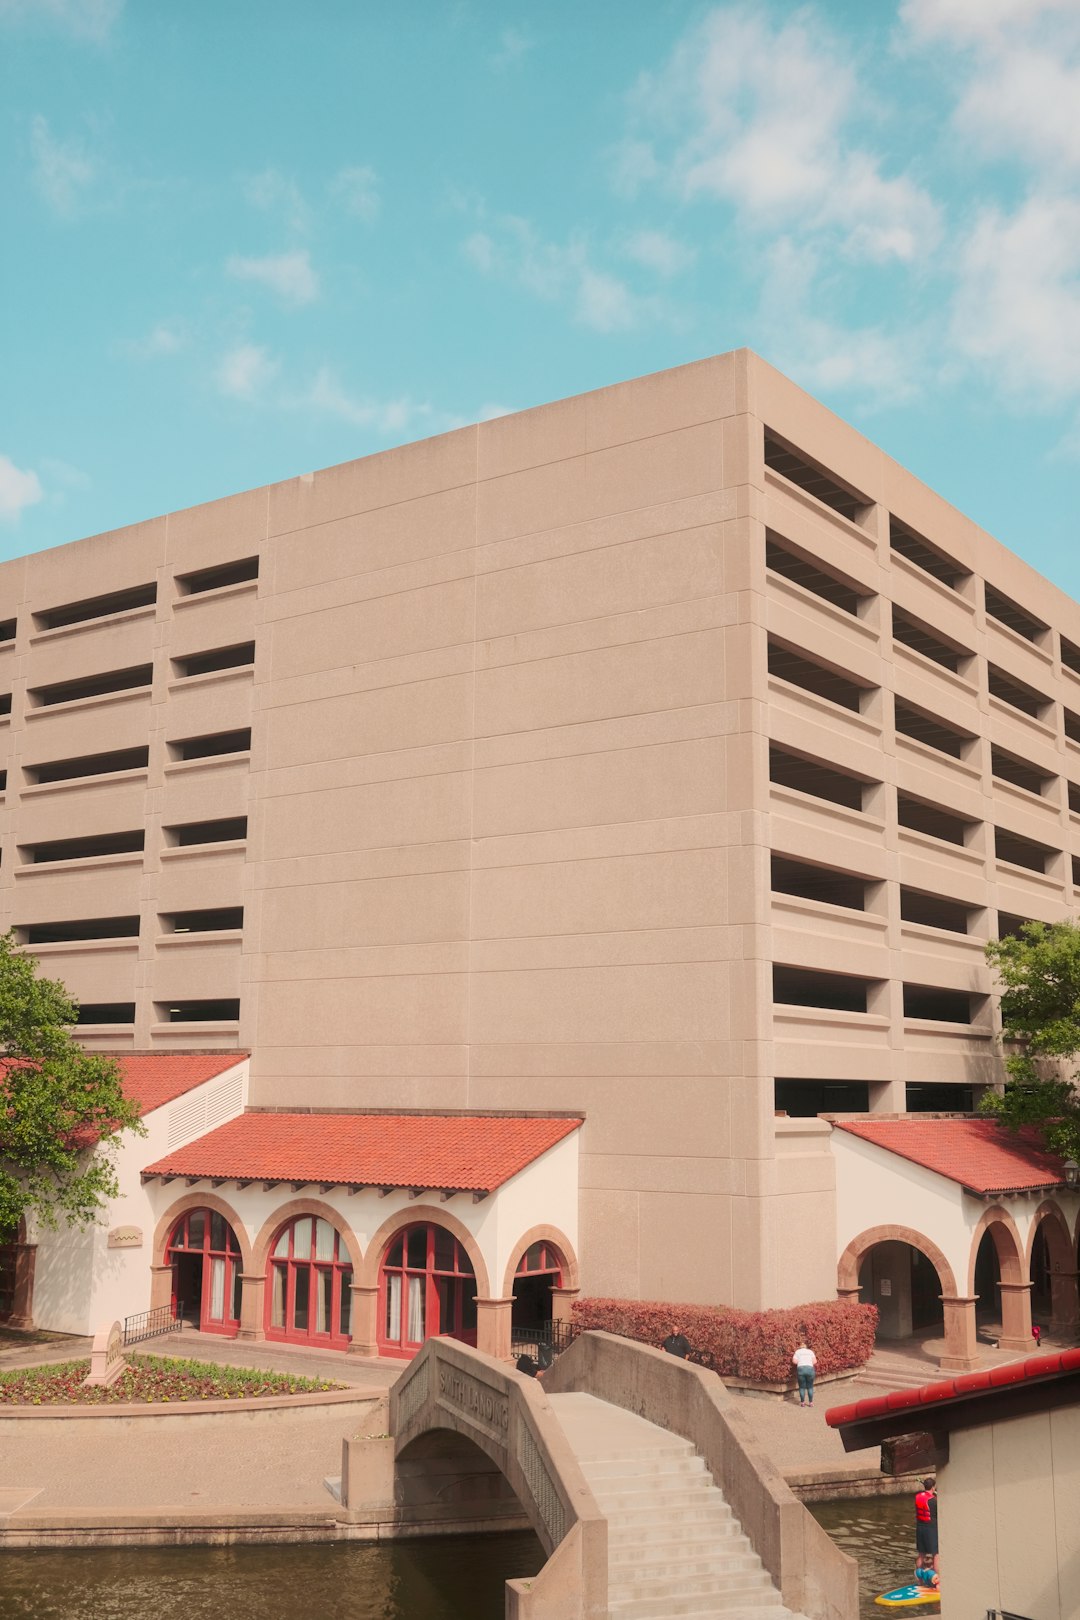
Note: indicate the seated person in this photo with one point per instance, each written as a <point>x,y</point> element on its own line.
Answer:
<point>676,1344</point>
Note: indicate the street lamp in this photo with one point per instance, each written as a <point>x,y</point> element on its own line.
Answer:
<point>1072,1173</point>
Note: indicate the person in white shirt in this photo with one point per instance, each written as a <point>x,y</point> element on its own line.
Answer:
<point>804,1361</point>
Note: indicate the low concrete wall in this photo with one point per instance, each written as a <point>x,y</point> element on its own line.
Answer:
<point>451,1391</point>
<point>813,1575</point>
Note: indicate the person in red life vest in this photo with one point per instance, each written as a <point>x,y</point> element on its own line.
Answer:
<point>1036,1334</point>
<point>926,1535</point>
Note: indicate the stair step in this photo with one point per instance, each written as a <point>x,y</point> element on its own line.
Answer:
<point>696,1573</point>
<point>705,1511</point>
<point>733,1597</point>
<point>661,1469</point>
<point>679,1537</point>
<point>631,1501</point>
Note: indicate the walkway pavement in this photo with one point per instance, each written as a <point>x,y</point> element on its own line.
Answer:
<point>251,1462</point>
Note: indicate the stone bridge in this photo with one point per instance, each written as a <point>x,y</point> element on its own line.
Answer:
<point>620,1444</point>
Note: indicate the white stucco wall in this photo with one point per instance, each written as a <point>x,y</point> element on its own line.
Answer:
<point>1009,1517</point>
<point>80,1284</point>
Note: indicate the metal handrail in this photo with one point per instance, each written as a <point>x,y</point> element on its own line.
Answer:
<point>151,1324</point>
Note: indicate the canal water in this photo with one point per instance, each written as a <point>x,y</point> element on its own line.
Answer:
<point>454,1578</point>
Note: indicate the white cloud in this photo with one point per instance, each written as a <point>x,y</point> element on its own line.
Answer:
<point>18,489</point>
<point>275,193</point>
<point>604,302</point>
<point>1016,310</point>
<point>514,43</point>
<point>357,190</point>
<point>757,117</point>
<point>387,417</point>
<point>634,164</point>
<point>558,272</point>
<point>92,20</point>
<point>62,170</point>
<point>163,339</point>
<point>290,275</point>
<point>246,371</point>
<point>660,252</point>
<point>965,21</point>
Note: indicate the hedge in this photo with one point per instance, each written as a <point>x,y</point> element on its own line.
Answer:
<point>743,1344</point>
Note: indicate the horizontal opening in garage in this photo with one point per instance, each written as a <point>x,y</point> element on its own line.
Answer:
<point>198,1012</point>
<point>84,849</point>
<point>70,770</point>
<point>802,1099</point>
<point>215,920</point>
<point>208,663</point>
<point>8,628</point>
<point>226,829</point>
<point>3,781</point>
<point>938,1097</point>
<point>791,564</point>
<point>1019,772</point>
<point>1010,846</point>
<point>1017,694</point>
<point>61,933</point>
<point>910,633</point>
<point>931,731</point>
<point>935,911</point>
<point>1016,618</point>
<point>1011,926</point>
<point>90,686</point>
<point>1070,655</point>
<point>215,742</point>
<point>807,987</point>
<point>96,607</point>
<point>213,579</point>
<point>1076,871</point>
<point>808,475</point>
<point>106,1012</point>
<point>921,816</point>
<point>788,665</point>
<point>1071,723</point>
<point>821,883</point>
<point>814,776</point>
<point>5,702</point>
<point>931,1002</point>
<point>914,548</point>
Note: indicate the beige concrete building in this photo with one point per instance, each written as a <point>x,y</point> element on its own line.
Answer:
<point>663,756</point>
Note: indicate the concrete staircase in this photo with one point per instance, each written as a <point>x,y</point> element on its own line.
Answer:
<point>888,1369</point>
<point>675,1549</point>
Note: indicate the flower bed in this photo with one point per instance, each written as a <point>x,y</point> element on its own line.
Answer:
<point>755,1345</point>
<point>150,1379</point>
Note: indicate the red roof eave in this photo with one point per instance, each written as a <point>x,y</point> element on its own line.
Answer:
<point>952,1391</point>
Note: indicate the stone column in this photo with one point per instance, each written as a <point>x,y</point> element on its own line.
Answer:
<point>493,1320</point>
<point>252,1297</point>
<point>961,1343</point>
<point>561,1301</point>
<point>1064,1303</point>
<point>365,1319</point>
<point>160,1286</point>
<point>1015,1316</point>
<point>852,1295</point>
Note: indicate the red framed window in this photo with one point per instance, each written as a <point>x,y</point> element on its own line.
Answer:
<point>310,1293</point>
<point>204,1254</point>
<point>427,1287</point>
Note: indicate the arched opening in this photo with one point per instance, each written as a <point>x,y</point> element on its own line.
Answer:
<point>203,1252</point>
<point>1042,1303</point>
<point>17,1278</point>
<point>539,1271</point>
<point>427,1287</point>
<point>1053,1271</point>
<point>310,1277</point>
<point>999,1278</point>
<point>906,1287</point>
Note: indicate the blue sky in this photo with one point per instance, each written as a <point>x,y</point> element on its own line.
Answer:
<point>246,238</point>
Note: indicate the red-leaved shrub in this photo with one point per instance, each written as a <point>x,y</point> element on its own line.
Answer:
<point>743,1344</point>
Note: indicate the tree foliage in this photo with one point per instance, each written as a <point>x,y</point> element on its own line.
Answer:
<point>62,1110</point>
<point>1039,971</point>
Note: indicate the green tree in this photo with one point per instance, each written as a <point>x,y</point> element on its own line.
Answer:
<point>1039,970</point>
<point>62,1110</point>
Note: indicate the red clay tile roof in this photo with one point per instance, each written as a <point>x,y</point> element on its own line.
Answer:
<point>154,1078</point>
<point>980,1154</point>
<point>949,1389</point>
<point>469,1154</point>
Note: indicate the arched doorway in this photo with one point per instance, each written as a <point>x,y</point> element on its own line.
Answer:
<point>539,1271</point>
<point>427,1286</point>
<point>1053,1271</point>
<point>204,1254</point>
<point>904,1284</point>
<point>310,1292</point>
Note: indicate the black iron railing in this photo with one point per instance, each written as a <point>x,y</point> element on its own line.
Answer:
<point>151,1324</point>
<point>544,1343</point>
